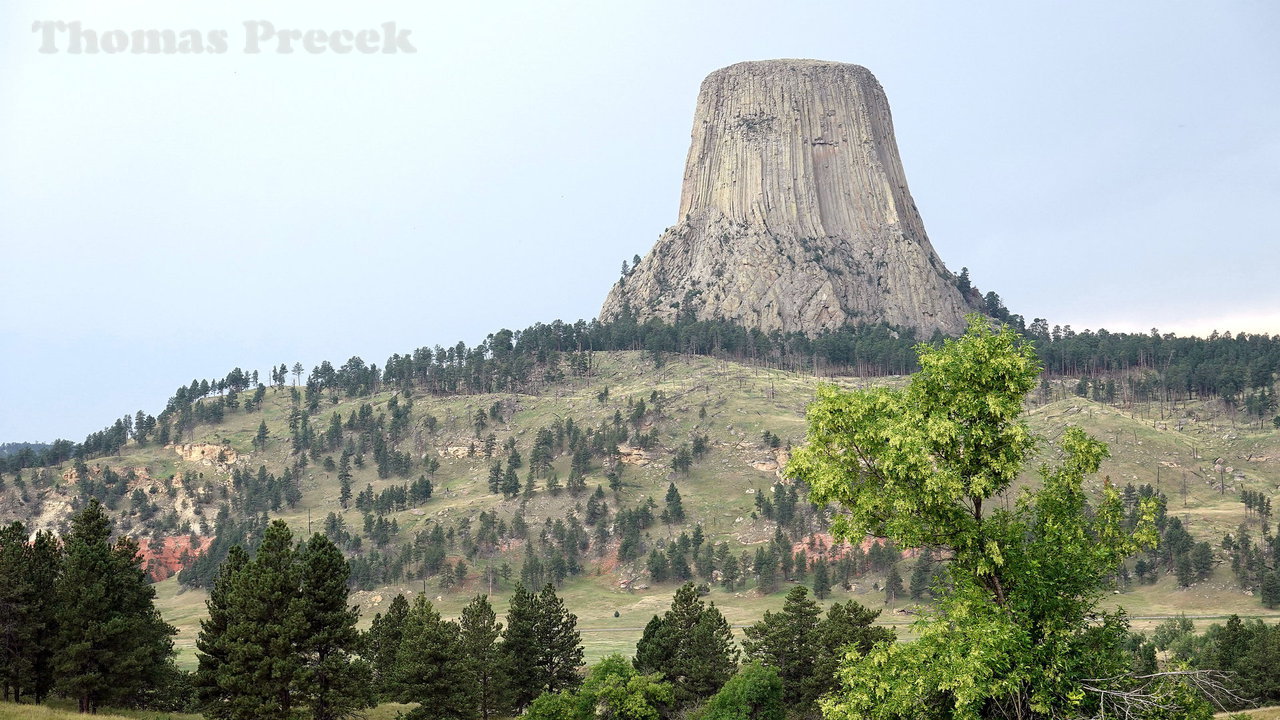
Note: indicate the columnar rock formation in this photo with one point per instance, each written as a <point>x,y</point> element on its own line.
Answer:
<point>795,213</point>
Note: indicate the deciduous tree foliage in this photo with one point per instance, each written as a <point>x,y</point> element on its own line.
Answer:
<point>613,690</point>
<point>755,693</point>
<point>1019,633</point>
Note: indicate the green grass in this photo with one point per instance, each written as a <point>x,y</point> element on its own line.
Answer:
<point>66,710</point>
<point>1271,713</point>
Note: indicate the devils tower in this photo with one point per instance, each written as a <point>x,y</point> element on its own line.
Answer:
<point>795,213</point>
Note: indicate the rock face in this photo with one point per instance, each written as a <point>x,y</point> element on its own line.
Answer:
<point>795,213</point>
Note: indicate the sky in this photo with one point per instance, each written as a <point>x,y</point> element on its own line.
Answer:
<point>165,217</point>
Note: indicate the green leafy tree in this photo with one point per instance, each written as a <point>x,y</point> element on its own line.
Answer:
<point>612,689</point>
<point>691,645</point>
<point>755,693</point>
<point>112,643</point>
<point>1016,636</point>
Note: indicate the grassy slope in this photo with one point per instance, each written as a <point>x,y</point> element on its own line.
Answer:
<point>741,402</point>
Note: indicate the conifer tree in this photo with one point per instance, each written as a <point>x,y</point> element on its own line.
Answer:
<point>344,479</point>
<point>519,646</point>
<point>690,645</point>
<point>27,611</point>
<point>893,585</point>
<point>332,681</point>
<point>674,511</point>
<point>846,627</point>
<point>213,646</point>
<point>482,655</point>
<point>383,644</point>
<point>821,579</point>
<point>921,576</point>
<point>787,641</point>
<point>112,643</point>
<point>430,669</point>
<point>258,677</point>
<point>558,642</point>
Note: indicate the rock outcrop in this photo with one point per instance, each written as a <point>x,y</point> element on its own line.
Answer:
<point>795,213</point>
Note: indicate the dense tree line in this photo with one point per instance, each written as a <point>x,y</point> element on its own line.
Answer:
<point>1238,368</point>
<point>77,618</point>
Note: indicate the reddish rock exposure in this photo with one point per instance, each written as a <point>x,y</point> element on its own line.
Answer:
<point>170,556</point>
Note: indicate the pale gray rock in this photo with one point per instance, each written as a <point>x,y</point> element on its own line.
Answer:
<point>795,213</point>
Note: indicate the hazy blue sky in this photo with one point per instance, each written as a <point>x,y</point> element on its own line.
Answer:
<point>165,217</point>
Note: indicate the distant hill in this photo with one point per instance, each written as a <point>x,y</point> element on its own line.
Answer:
<point>631,424</point>
<point>13,448</point>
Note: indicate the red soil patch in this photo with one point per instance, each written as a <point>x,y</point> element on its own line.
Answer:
<point>170,556</point>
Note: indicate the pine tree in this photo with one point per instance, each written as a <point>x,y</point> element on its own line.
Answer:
<point>1186,573</point>
<point>429,667</point>
<point>258,678</point>
<point>213,646</point>
<point>519,647</point>
<point>674,512</point>
<point>768,572</point>
<point>333,681</point>
<point>344,479</point>
<point>511,481</point>
<point>383,644</point>
<point>921,576</point>
<point>893,585</point>
<point>847,627</point>
<point>482,655</point>
<point>112,643</point>
<point>1270,590</point>
<point>787,641</point>
<point>690,645</point>
<point>558,643</point>
<point>821,579</point>
<point>27,611</point>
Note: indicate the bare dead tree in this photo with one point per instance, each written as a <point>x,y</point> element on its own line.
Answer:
<point>1129,697</point>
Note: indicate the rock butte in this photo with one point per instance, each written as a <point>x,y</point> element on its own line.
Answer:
<point>795,213</point>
